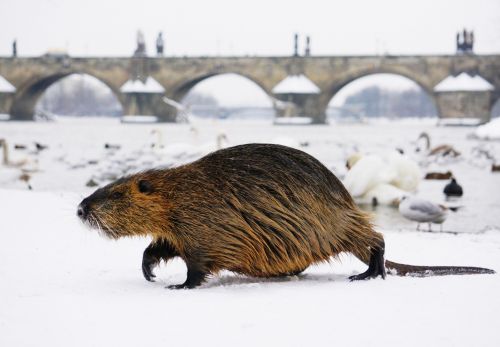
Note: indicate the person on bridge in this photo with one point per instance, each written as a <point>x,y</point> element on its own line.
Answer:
<point>14,48</point>
<point>159,44</point>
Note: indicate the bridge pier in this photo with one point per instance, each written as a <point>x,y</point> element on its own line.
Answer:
<point>148,104</point>
<point>6,102</point>
<point>464,96</point>
<point>464,104</point>
<point>301,105</point>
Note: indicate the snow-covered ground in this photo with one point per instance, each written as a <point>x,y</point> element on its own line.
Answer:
<point>63,285</point>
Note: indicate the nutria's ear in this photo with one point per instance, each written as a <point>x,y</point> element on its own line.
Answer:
<point>145,187</point>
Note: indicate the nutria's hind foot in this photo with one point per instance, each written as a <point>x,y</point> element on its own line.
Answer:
<point>375,268</point>
<point>194,278</point>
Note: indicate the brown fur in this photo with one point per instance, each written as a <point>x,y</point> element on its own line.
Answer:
<point>259,210</point>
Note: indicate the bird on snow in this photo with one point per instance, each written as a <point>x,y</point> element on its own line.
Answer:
<point>424,211</point>
<point>453,189</point>
<point>384,177</point>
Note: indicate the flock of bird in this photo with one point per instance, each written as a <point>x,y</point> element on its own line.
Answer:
<point>20,169</point>
<point>389,179</point>
<point>393,178</point>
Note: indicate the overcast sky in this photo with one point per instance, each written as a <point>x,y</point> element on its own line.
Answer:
<point>261,27</point>
<point>257,27</point>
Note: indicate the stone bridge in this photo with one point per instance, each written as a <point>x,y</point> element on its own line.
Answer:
<point>31,76</point>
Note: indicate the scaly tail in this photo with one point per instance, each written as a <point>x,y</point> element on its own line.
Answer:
<point>427,271</point>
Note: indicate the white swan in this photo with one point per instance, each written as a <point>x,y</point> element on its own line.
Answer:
<point>383,194</point>
<point>13,171</point>
<point>183,150</point>
<point>6,158</point>
<point>385,178</point>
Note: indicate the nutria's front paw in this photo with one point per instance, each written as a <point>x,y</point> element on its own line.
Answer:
<point>147,268</point>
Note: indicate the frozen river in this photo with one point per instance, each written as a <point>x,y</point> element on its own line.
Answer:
<point>76,153</point>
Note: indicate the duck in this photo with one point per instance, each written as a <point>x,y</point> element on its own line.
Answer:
<point>440,151</point>
<point>453,189</point>
<point>438,175</point>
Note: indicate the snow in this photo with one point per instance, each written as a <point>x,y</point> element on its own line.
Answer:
<point>296,84</point>
<point>138,86</point>
<point>293,120</point>
<point>465,121</point>
<point>463,82</point>
<point>5,86</point>
<point>64,285</point>
<point>139,119</point>
<point>490,130</point>
<point>4,116</point>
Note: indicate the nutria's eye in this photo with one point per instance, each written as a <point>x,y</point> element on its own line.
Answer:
<point>145,187</point>
<point>116,195</point>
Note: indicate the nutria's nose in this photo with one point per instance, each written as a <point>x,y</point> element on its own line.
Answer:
<point>83,210</point>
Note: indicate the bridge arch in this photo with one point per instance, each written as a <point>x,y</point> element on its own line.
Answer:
<point>495,108</point>
<point>182,89</point>
<point>332,90</point>
<point>27,96</point>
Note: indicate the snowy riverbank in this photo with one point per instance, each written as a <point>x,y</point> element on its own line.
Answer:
<point>64,285</point>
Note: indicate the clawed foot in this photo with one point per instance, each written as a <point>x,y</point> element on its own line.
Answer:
<point>194,279</point>
<point>181,286</point>
<point>149,262</point>
<point>375,268</point>
<point>153,254</point>
<point>147,271</point>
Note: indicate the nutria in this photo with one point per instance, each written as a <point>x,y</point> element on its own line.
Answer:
<point>259,209</point>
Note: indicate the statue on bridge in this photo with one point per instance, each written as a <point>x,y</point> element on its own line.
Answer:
<point>141,45</point>
<point>307,51</point>
<point>296,45</point>
<point>465,41</point>
<point>159,44</point>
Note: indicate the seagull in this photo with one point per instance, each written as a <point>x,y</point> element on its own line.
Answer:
<point>453,189</point>
<point>424,211</point>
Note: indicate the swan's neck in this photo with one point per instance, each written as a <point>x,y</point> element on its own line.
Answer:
<point>220,139</point>
<point>5,151</point>
<point>427,139</point>
<point>427,142</point>
<point>159,138</point>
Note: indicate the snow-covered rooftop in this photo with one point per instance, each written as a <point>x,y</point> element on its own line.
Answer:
<point>463,82</point>
<point>296,84</point>
<point>5,86</point>
<point>137,86</point>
